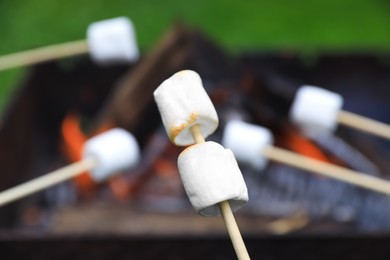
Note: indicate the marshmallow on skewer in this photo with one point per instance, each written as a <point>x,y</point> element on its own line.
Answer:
<point>183,102</point>
<point>318,111</point>
<point>114,150</point>
<point>209,172</point>
<point>315,110</point>
<point>109,41</point>
<point>236,138</point>
<point>247,142</point>
<point>104,154</point>
<point>112,40</point>
<point>210,175</point>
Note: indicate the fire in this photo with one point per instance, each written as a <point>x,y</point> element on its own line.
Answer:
<point>296,142</point>
<point>73,142</point>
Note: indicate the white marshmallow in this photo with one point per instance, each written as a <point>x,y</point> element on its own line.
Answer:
<point>247,142</point>
<point>115,150</point>
<point>315,109</point>
<point>113,41</point>
<point>183,102</point>
<point>210,175</point>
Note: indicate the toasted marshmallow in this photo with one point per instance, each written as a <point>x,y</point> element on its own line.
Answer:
<point>115,150</point>
<point>183,102</point>
<point>315,110</point>
<point>247,142</point>
<point>210,175</point>
<point>113,41</point>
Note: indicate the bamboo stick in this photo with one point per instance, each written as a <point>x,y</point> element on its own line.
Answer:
<point>226,212</point>
<point>365,124</point>
<point>46,181</point>
<point>43,54</point>
<point>327,169</point>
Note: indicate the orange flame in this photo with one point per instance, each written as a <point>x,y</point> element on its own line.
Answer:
<point>74,140</point>
<point>73,143</point>
<point>304,146</point>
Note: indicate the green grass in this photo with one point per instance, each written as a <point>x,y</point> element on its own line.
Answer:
<point>304,26</point>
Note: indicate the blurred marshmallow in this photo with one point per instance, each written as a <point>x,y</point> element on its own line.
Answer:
<point>113,41</point>
<point>210,175</point>
<point>115,150</point>
<point>247,142</point>
<point>183,102</point>
<point>315,110</point>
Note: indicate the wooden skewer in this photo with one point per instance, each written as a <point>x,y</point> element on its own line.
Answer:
<point>327,169</point>
<point>234,232</point>
<point>43,54</point>
<point>46,180</point>
<point>226,212</point>
<point>365,124</point>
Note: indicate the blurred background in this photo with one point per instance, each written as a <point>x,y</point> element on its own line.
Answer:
<point>305,26</point>
<point>252,56</point>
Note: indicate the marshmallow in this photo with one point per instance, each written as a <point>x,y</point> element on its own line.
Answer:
<point>315,110</point>
<point>247,142</point>
<point>183,102</point>
<point>210,175</point>
<point>115,150</point>
<point>112,41</point>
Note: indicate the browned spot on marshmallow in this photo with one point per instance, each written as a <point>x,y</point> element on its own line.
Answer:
<point>176,130</point>
<point>182,73</point>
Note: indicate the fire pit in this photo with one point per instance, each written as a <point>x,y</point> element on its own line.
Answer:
<point>144,213</point>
